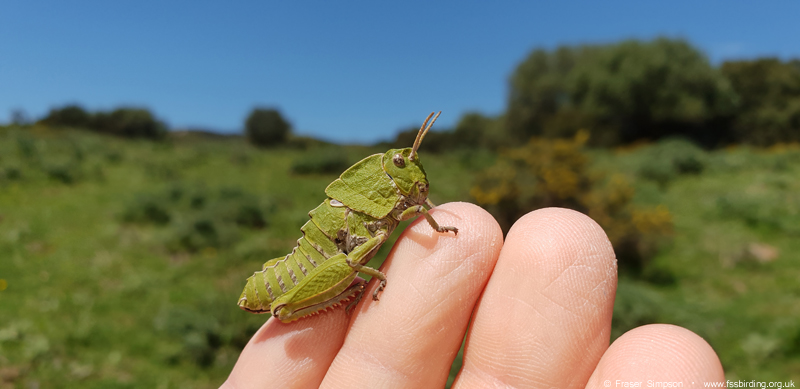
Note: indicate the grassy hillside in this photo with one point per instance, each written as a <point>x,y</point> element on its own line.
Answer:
<point>123,259</point>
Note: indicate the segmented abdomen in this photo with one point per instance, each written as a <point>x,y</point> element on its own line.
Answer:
<point>279,275</point>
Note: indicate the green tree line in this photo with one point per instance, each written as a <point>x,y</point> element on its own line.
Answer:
<point>264,127</point>
<point>619,93</point>
<point>637,91</point>
<point>126,122</point>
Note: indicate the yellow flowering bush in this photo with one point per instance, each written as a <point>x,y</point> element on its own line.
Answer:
<point>555,173</point>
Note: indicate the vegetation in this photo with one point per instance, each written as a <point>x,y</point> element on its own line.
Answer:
<point>770,100</point>
<point>555,173</point>
<point>266,127</point>
<point>636,91</point>
<point>139,254</point>
<point>124,122</point>
<point>140,247</point>
<point>621,92</point>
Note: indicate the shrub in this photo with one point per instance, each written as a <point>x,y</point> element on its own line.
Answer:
<point>197,219</point>
<point>147,209</point>
<point>12,173</point>
<point>64,173</point>
<point>201,232</point>
<point>129,123</point>
<point>671,158</point>
<point>554,173</point>
<point>126,122</point>
<point>68,116</point>
<point>27,148</point>
<point>266,127</point>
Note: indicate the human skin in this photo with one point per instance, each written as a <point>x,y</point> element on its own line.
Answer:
<point>541,306</point>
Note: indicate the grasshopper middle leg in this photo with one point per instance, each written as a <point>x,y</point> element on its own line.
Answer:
<point>362,254</point>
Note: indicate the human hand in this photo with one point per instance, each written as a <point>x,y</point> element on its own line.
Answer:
<point>542,303</point>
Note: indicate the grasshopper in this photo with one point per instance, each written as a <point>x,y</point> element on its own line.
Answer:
<point>364,206</point>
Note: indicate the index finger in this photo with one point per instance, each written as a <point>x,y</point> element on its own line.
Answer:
<point>410,337</point>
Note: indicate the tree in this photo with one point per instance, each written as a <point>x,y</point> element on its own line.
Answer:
<point>68,116</point>
<point>621,93</point>
<point>129,123</point>
<point>770,100</point>
<point>474,130</point>
<point>266,127</point>
<point>539,92</point>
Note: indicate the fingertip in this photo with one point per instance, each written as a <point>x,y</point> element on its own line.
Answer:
<point>550,232</point>
<point>549,301</point>
<point>659,353</point>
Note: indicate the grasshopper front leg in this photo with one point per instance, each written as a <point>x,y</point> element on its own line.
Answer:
<point>417,210</point>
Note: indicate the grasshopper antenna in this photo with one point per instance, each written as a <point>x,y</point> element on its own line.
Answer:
<point>421,134</point>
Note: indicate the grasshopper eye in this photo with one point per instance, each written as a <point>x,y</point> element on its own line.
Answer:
<point>398,160</point>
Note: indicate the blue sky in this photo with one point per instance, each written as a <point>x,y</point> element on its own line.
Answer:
<point>352,71</point>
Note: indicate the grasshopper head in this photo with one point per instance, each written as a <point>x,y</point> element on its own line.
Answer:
<point>404,167</point>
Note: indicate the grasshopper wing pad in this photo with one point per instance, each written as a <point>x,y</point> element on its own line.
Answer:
<point>328,218</point>
<point>365,187</point>
<point>313,235</point>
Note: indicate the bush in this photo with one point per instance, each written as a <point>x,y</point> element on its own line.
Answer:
<point>555,173</point>
<point>776,212</point>
<point>326,161</point>
<point>68,116</point>
<point>27,148</point>
<point>201,232</point>
<point>125,122</point>
<point>197,219</point>
<point>671,158</point>
<point>12,173</point>
<point>266,127</point>
<point>64,173</point>
<point>129,123</point>
<point>147,209</point>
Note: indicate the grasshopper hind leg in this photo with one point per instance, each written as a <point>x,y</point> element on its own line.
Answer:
<point>354,291</point>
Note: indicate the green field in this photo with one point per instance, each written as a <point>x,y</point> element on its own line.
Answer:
<point>123,259</point>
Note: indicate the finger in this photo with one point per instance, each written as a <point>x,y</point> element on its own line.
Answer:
<point>410,337</point>
<point>545,317</point>
<point>293,355</point>
<point>658,355</point>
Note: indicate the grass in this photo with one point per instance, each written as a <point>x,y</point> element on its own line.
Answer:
<point>98,295</point>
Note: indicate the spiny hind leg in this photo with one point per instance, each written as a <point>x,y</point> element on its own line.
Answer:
<point>354,291</point>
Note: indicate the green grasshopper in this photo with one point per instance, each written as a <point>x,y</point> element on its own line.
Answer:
<point>364,206</point>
